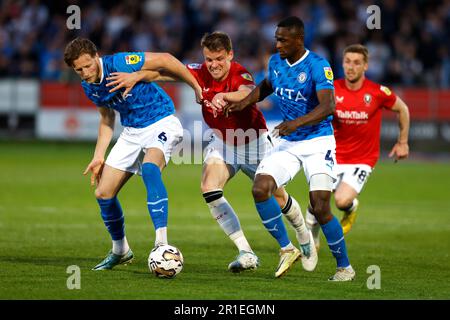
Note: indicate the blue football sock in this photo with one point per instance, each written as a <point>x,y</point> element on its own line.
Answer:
<point>335,238</point>
<point>112,216</point>
<point>271,216</point>
<point>157,201</point>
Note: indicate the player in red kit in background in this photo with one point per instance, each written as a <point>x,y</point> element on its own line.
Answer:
<point>239,142</point>
<point>357,123</point>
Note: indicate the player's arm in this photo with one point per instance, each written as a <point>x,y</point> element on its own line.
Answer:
<point>119,80</point>
<point>220,100</point>
<point>166,61</point>
<point>401,147</point>
<point>262,90</point>
<point>325,108</point>
<point>105,133</point>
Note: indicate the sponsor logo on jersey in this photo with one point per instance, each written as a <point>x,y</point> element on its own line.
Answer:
<point>289,94</point>
<point>132,59</point>
<point>385,90</point>
<point>247,76</point>
<point>352,115</point>
<point>194,66</point>
<point>276,73</point>
<point>301,77</point>
<point>328,73</point>
<point>367,98</point>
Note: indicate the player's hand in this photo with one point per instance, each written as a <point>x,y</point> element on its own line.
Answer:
<point>96,168</point>
<point>232,107</point>
<point>218,101</point>
<point>399,151</point>
<point>285,128</point>
<point>198,94</point>
<point>120,80</point>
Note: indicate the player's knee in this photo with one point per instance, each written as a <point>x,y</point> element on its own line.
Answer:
<point>321,208</point>
<point>342,202</point>
<point>263,188</point>
<point>102,194</point>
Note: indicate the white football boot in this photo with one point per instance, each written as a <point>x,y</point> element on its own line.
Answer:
<point>244,261</point>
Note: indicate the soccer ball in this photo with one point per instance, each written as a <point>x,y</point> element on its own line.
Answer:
<point>165,261</point>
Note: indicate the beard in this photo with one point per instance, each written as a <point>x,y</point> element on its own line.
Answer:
<point>354,80</point>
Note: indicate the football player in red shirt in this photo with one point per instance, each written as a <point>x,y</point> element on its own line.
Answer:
<point>357,123</point>
<point>228,151</point>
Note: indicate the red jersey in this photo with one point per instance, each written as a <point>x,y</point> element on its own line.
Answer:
<point>249,118</point>
<point>357,121</point>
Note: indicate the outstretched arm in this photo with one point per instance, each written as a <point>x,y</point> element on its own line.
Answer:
<point>325,108</point>
<point>166,61</point>
<point>401,147</point>
<point>119,80</point>
<point>262,90</point>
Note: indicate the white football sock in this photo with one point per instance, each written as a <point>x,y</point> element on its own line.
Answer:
<point>295,218</point>
<point>161,236</point>
<point>311,220</point>
<point>240,241</point>
<point>227,219</point>
<point>288,247</point>
<point>120,247</point>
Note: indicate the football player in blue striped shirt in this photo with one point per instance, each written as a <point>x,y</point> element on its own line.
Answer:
<point>151,131</point>
<point>302,82</point>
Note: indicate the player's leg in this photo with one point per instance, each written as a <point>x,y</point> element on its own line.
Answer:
<point>274,171</point>
<point>106,192</point>
<point>292,212</point>
<point>320,193</point>
<point>346,201</point>
<point>159,140</point>
<point>214,177</point>
<point>319,172</point>
<point>313,226</point>
<point>353,179</point>
<point>157,199</point>
<point>121,164</point>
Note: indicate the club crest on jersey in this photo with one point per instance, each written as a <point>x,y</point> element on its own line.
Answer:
<point>385,90</point>
<point>328,73</point>
<point>247,76</point>
<point>132,59</point>
<point>367,98</point>
<point>302,77</point>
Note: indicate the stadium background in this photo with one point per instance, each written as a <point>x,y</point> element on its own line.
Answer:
<point>47,129</point>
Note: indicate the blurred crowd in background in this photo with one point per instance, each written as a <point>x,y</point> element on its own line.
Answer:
<point>411,48</point>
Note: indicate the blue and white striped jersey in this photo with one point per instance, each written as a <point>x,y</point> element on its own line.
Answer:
<point>145,104</point>
<point>296,85</point>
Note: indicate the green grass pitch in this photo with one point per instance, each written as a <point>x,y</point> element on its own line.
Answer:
<point>49,220</point>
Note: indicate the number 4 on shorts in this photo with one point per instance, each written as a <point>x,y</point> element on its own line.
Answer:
<point>329,158</point>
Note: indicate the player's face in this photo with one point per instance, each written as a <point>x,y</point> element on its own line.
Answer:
<point>288,43</point>
<point>87,67</point>
<point>354,66</point>
<point>218,63</point>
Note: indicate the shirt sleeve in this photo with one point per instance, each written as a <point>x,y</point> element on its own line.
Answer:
<point>195,69</point>
<point>242,77</point>
<point>323,75</point>
<point>388,97</point>
<point>128,61</point>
